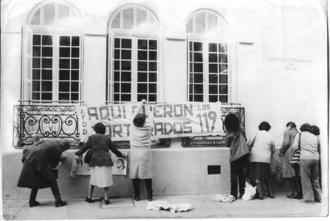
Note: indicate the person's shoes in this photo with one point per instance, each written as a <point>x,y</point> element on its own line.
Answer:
<point>89,200</point>
<point>107,202</point>
<point>271,196</point>
<point>149,196</point>
<point>34,203</point>
<point>60,203</point>
<point>291,195</point>
<point>298,196</point>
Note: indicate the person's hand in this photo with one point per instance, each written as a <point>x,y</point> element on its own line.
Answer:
<point>144,101</point>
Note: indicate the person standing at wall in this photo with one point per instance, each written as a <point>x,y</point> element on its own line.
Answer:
<point>286,151</point>
<point>262,148</point>
<point>309,163</point>
<point>140,160</point>
<point>38,170</point>
<point>239,154</point>
<point>100,163</point>
<point>316,131</point>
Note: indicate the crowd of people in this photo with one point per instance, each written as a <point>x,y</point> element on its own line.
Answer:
<point>250,160</point>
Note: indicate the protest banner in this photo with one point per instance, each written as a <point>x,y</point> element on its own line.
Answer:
<point>169,120</point>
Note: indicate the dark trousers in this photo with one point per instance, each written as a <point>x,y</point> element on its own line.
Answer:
<point>310,180</point>
<point>237,178</point>
<point>136,186</point>
<point>53,187</point>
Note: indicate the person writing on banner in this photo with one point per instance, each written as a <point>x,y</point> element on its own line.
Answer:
<point>140,161</point>
<point>239,154</point>
<point>290,173</point>
<point>100,161</point>
<point>39,172</point>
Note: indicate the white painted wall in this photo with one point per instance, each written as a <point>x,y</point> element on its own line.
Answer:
<point>267,83</point>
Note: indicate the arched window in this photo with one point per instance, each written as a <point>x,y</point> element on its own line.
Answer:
<point>134,49</point>
<point>208,75</point>
<point>51,70</point>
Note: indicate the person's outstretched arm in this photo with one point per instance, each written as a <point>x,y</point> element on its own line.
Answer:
<point>139,108</point>
<point>114,149</point>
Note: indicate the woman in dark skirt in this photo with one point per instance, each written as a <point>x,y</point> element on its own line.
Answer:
<point>38,170</point>
<point>262,148</point>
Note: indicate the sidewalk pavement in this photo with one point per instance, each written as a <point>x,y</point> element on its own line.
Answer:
<point>204,206</point>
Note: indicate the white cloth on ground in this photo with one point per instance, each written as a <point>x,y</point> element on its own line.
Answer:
<point>224,198</point>
<point>172,207</point>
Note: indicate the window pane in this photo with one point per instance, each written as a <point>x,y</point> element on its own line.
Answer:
<point>212,21</point>
<point>223,79</point>
<point>198,57</point>
<point>198,88</point>
<point>36,40</point>
<point>116,76</point>
<point>126,76</point>
<point>126,87</point>
<point>47,52</point>
<point>117,43</point>
<point>64,40</point>
<point>47,74</point>
<point>152,44</point>
<point>189,26</point>
<point>117,65</point>
<point>213,68</point>
<point>117,52</point>
<point>64,63</point>
<point>212,47</point>
<point>141,16</point>
<point>63,96</point>
<point>213,78</point>
<point>198,98</point>
<point>213,89</point>
<point>126,65</point>
<point>198,67</point>
<point>63,11</point>
<point>49,13</point>
<point>126,43</point>
<point>35,96</point>
<point>152,77</point>
<point>142,44</point>
<point>142,55</point>
<point>75,63</point>
<point>74,86</point>
<point>200,22</point>
<point>142,77</point>
<point>152,66</point>
<point>223,89</point>
<point>75,75</point>
<point>224,99</point>
<point>47,40</point>
<point>152,55</point>
<point>142,66</point>
<point>223,68</point>
<point>126,54</point>
<point>64,75</point>
<point>198,78</point>
<point>47,63</point>
<point>46,86</point>
<point>75,41</point>
<point>64,86</point>
<point>116,87</point>
<point>36,86</point>
<point>222,47</point>
<point>141,97</point>
<point>198,46</point>
<point>75,96</point>
<point>36,52</point>
<point>126,97</point>
<point>213,58</point>
<point>116,97</point>
<point>36,18</point>
<point>64,52</point>
<point>142,88</point>
<point>116,21</point>
<point>46,96</point>
<point>128,18</point>
<point>213,98</point>
<point>74,52</point>
<point>152,88</point>
<point>223,58</point>
<point>36,63</point>
<point>36,74</point>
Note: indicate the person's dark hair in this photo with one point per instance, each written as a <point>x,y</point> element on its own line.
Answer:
<point>315,130</point>
<point>232,123</point>
<point>305,127</point>
<point>291,124</point>
<point>139,120</point>
<point>99,128</point>
<point>65,145</point>
<point>264,126</point>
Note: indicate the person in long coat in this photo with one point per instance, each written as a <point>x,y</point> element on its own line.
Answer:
<point>140,155</point>
<point>288,172</point>
<point>38,169</point>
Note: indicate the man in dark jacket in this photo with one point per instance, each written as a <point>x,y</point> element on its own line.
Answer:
<point>38,169</point>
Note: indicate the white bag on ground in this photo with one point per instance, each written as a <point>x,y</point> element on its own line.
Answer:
<point>224,198</point>
<point>249,192</point>
<point>172,207</point>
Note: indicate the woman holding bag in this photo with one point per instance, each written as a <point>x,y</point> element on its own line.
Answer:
<point>100,163</point>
